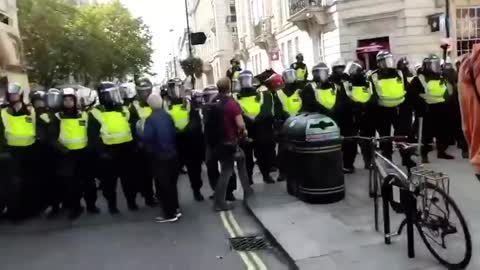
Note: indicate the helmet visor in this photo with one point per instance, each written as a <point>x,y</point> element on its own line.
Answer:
<point>320,74</point>
<point>387,62</point>
<point>14,88</point>
<point>246,80</point>
<point>289,76</point>
<point>54,100</point>
<point>434,65</point>
<point>354,68</point>
<point>112,96</point>
<point>176,90</point>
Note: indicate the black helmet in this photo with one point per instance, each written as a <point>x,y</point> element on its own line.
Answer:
<point>432,63</point>
<point>403,64</point>
<point>320,72</point>
<point>175,88</point>
<point>38,98</point>
<point>299,57</point>
<point>385,60</point>
<point>338,67</point>
<point>109,94</point>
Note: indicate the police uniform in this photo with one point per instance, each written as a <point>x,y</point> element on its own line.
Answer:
<point>301,72</point>
<point>389,93</point>
<point>139,113</point>
<point>258,112</point>
<point>110,134</point>
<point>432,95</point>
<point>18,132</point>
<point>190,141</point>
<point>72,137</point>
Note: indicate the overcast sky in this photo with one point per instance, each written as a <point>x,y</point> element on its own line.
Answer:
<point>161,16</point>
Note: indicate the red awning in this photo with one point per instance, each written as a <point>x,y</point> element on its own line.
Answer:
<point>370,48</point>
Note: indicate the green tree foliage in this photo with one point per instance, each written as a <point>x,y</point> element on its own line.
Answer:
<point>89,42</point>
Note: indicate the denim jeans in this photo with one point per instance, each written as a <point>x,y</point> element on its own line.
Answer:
<point>227,169</point>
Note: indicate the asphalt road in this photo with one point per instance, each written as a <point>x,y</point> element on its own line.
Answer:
<point>134,241</point>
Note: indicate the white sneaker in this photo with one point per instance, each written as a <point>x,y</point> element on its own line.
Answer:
<point>166,220</point>
<point>178,214</point>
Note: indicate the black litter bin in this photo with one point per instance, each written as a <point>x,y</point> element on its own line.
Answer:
<point>289,158</point>
<point>315,158</point>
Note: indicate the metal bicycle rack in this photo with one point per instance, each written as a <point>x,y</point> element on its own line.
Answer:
<point>407,199</point>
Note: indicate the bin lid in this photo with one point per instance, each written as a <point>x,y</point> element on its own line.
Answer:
<point>312,128</point>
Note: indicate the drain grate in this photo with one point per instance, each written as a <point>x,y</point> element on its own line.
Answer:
<point>249,243</point>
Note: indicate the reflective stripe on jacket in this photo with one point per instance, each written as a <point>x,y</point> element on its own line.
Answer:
<point>115,128</point>
<point>20,130</point>
<point>391,91</point>
<point>434,90</point>
<point>73,132</point>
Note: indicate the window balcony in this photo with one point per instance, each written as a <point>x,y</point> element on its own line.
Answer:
<point>262,34</point>
<point>302,11</point>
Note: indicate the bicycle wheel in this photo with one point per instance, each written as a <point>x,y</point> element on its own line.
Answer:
<point>447,238</point>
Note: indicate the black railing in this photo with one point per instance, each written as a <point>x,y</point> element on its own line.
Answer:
<point>299,5</point>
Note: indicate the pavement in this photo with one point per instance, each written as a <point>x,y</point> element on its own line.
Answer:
<point>134,241</point>
<point>341,236</point>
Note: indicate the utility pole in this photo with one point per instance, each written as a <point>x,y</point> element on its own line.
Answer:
<point>188,30</point>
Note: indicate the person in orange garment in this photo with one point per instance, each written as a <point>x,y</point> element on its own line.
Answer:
<point>469,95</point>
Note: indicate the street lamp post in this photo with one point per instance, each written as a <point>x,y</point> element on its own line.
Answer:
<point>188,30</point>
<point>447,27</point>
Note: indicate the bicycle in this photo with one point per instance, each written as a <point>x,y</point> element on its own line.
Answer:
<point>416,194</point>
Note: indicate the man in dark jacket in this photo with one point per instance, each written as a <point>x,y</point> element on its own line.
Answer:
<point>159,139</point>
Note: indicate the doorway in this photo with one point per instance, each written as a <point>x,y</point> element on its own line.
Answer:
<point>367,50</point>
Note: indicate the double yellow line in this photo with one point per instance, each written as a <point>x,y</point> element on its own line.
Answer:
<point>251,260</point>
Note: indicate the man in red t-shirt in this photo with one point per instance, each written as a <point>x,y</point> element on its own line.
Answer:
<point>234,131</point>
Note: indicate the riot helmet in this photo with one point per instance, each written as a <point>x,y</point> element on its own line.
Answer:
<point>69,98</point>
<point>246,79</point>
<point>385,60</point>
<point>338,67</point>
<point>289,76</point>
<point>54,99</point>
<point>432,64</point>
<point>109,94</point>
<point>354,68</point>
<point>320,73</point>
<point>87,98</point>
<point>38,99</point>
<point>175,89</point>
<point>14,93</point>
<point>144,89</point>
<point>299,58</point>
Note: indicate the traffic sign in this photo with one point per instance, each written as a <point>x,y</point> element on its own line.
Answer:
<point>198,38</point>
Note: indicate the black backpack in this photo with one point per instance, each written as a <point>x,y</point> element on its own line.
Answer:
<point>213,118</point>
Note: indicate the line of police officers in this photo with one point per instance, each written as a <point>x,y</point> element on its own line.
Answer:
<point>87,141</point>
<point>388,100</point>
<point>53,150</point>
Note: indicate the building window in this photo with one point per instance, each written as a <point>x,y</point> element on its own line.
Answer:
<point>283,52</point>
<point>4,19</point>
<point>290,52</point>
<point>468,29</point>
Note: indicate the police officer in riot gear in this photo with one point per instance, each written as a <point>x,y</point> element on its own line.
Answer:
<point>301,70</point>
<point>54,100</point>
<point>344,115</point>
<point>389,89</point>
<point>110,135</point>
<point>70,126</point>
<point>257,111</point>
<point>139,112</point>
<point>404,66</point>
<point>18,132</point>
<point>320,95</point>
<point>190,138</point>
<point>432,94</point>
<point>290,104</point>
<point>233,74</point>
<point>360,96</point>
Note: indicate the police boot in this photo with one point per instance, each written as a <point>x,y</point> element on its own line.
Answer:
<point>198,196</point>
<point>132,205</point>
